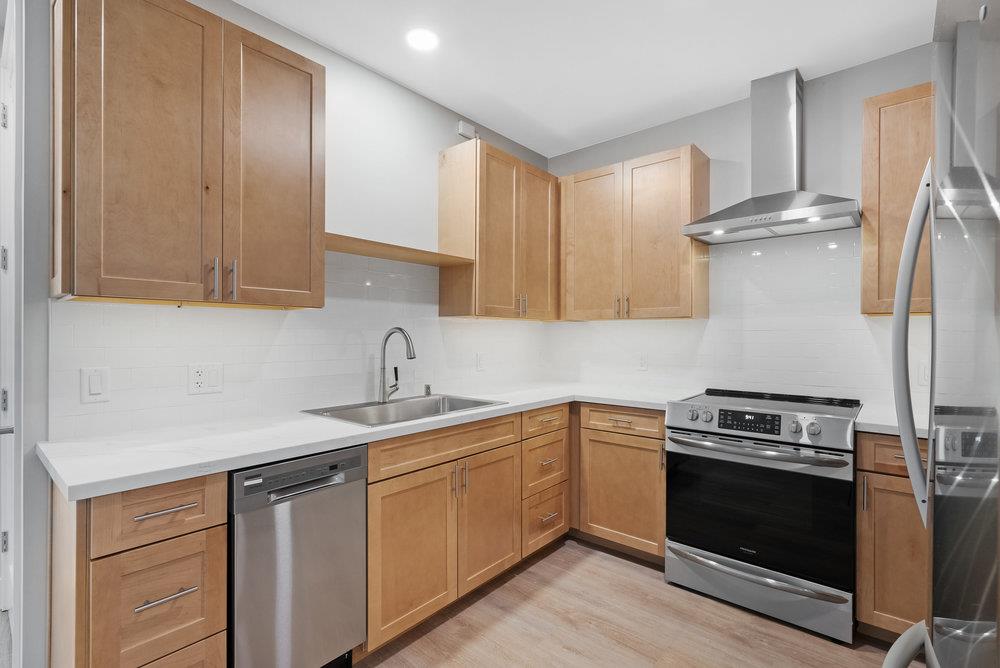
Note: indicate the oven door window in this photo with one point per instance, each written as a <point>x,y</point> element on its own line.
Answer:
<point>793,523</point>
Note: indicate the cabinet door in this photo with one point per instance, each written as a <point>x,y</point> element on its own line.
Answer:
<point>623,489</point>
<point>412,549</point>
<point>274,171</point>
<point>592,249</point>
<point>892,554</point>
<point>898,140</point>
<point>148,143</point>
<point>539,244</point>
<point>489,515</point>
<point>657,259</point>
<point>497,280</point>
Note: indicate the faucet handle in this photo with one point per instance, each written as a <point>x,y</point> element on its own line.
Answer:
<point>427,390</point>
<point>395,374</point>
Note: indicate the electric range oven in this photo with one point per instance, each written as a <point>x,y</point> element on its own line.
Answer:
<point>760,504</point>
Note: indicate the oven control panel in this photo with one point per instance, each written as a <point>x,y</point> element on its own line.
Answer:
<point>757,423</point>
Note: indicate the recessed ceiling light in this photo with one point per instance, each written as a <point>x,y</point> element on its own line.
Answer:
<point>422,39</point>
<point>718,232</point>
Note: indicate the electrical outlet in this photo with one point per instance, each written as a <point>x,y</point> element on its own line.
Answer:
<point>479,362</point>
<point>205,378</point>
<point>94,385</point>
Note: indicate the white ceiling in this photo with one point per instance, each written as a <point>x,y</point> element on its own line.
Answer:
<point>558,75</point>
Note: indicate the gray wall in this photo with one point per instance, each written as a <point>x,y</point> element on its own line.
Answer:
<point>831,126</point>
<point>382,143</point>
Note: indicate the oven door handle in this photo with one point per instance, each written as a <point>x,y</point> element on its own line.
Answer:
<point>759,453</point>
<point>759,579</point>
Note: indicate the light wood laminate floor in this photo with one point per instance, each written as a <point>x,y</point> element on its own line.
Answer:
<point>577,605</point>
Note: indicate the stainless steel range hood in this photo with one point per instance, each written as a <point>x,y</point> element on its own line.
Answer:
<point>779,207</point>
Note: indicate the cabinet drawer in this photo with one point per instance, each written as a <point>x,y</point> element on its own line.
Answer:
<point>544,420</point>
<point>883,453</point>
<point>544,461</point>
<point>208,653</point>
<point>544,517</point>
<point>639,421</point>
<point>142,516</point>
<point>404,454</point>
<point>154,600</point>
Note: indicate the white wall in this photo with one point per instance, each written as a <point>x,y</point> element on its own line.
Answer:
<point>276,361</point>
<point>382,143</point>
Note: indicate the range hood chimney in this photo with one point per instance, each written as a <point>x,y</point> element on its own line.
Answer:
<point>778,206</point>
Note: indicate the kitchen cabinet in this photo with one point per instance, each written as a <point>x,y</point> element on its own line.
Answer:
<point>157,105</point>
<point>544,518</point>
<point>892,543</point>
<point>627,219</point>
<point>623,489</point>
<point>898,139</point>
<point>502,213</point>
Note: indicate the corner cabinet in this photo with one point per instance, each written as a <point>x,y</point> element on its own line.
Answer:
<point>503,215</point>
<point>627,219</point>
<point>898,140</point>
<point>188,158</point>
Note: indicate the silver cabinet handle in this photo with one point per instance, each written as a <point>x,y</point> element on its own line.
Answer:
<point>548,518</point>
<point>165,511</point>
<point>663,457</point>
<point>146,605</point>
<point>525,306</point>
<point>215,278</point>
<point>923,459</point>
<point>619,419</point>
<point>864,494</point>
<point>454,481</point>
<point>546,462</point>
<point>235,277</point>
<point>627,308</point>
<point>5,431</point>
<point>618,306</point>
<point>780,585</point>
<point>759,453</point>
<point>551,418</point>
<point>900,340</point>
<point>465,478</point>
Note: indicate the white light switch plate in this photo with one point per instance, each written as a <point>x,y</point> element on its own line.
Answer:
<point>94,385</point>
<point>205,378</point>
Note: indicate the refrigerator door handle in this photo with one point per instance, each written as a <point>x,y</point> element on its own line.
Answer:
<point>914,640</point>
<point>900,341</point>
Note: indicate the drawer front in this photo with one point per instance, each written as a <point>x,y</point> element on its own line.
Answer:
<point>883,453</point>
<point>544,462</point>
<point>208,653</point>
<point>544,420</point>
<point>142,516</point>
<point>404,454</point>
<point>544,517</point>
<point>154,600</point>
<point>638,421</point>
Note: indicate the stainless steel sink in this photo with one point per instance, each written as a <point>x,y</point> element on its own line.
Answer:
<point>373,414</point>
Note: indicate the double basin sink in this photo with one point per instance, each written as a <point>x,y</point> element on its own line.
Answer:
<point>374,414</point>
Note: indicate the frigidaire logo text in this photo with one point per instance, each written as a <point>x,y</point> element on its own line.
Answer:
<point>747,550</point>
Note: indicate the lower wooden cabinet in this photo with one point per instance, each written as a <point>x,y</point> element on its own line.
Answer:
<point>892,559</point>
<point>412,549</point>
<point>209,653</point>
<point>544,518</point>
<point>623,489</point>
<point>489,516</point>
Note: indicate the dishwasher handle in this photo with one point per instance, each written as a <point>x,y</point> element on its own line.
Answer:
<point>279,495</point>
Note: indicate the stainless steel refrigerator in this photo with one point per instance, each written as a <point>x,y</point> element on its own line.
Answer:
<point>956,491</point>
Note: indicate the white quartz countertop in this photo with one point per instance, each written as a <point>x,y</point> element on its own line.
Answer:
<point>94,467</point>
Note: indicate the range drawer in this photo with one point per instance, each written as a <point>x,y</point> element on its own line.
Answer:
<point>142,516</point>
<point>638,421</point>
<point>207,653</point>
<point>154,600</point>
<point>544,518</point>
<point>544,462</point>
<point>883,453</point>
<point>544,420</point>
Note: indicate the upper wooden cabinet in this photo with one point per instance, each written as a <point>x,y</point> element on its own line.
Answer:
<point>502,213</point>
<point>898,140</point>
<point>189,158</point>
<point>624,251</point>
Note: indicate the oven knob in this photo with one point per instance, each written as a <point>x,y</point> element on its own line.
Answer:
<point>693,414</point>
<point>795,427</point>
<point>813,429</point>
<point>706,416</point>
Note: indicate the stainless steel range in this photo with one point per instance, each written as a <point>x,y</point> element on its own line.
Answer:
<point>760,504</point>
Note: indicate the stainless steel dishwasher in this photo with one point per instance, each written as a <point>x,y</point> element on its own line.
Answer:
<point>297,565</point>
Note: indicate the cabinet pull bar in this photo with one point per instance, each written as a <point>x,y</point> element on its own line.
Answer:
<point>546,462</point>
<point>525,314</point>
<point>663,457</point>
<point>465,478</point>
<point>551,418</point>
<point>454,482</point>
<point>619,419</point>
<point>618,306</point>
<point>165,511</point>
<point>864,494</point>
<point>548,518</point>
<point>146,605</point>
<point>233,271</point>
<point>215,277</point>
<point>627,309</point>
<point>923,459</point>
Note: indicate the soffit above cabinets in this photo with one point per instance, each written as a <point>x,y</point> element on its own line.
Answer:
<point>561,75</point>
